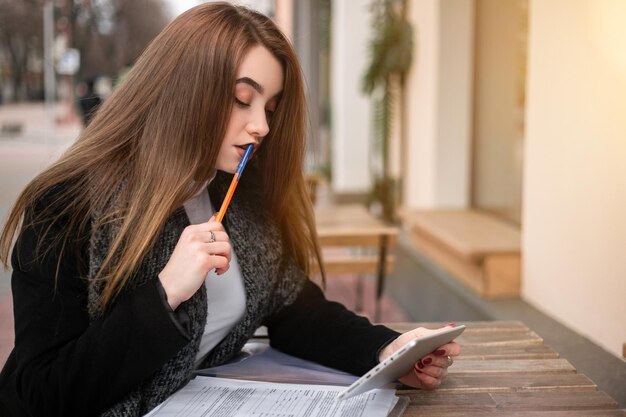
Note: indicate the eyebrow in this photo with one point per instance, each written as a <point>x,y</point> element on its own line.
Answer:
<point>252,83</point>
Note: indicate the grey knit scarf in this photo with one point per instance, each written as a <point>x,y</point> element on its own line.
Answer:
<point>271,281</point>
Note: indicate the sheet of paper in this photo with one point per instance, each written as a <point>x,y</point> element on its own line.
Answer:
<point>260,362</point>
<point>206,396</point>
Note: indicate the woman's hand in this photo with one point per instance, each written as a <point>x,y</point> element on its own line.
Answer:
<point>430,370</point>
<point>200,248</point>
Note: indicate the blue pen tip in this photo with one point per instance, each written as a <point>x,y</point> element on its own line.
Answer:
<point>244,159</point>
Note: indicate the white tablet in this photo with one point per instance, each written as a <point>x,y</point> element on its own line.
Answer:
<point>401,362</point>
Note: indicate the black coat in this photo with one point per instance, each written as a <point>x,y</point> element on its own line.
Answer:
<point>64,364</point>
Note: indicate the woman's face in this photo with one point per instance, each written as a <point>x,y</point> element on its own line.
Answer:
<point>257,91</point>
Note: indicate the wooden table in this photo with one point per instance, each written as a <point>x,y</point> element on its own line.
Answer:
<point>506,370</point>
<point>351,225</point>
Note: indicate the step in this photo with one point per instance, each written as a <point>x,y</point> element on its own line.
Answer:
<point>481,251</point>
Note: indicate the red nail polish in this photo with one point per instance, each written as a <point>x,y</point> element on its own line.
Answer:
<point>427,361</point>
<point>420,364</point>
<point>440,352</point>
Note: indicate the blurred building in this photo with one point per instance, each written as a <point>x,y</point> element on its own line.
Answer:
<point>515,108</point>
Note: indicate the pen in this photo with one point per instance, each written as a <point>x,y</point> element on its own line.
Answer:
<point>234,182</point>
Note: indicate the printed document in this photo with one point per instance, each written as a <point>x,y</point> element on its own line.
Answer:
<point>209,396</point>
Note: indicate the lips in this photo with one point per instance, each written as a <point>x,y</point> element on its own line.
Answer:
<point>244,147</point>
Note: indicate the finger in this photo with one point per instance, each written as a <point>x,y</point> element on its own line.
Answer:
<point>426,361</point>
<point>220,236</point>
<point>211,225</point>
<point>208,235</point>
<point>440,361</point>
<point>452,349</point>
<point>215,225</point>
<point>219,249</point>
<point>429,362</point>
<point>434,371</point>
<point>220,263</point>
<point>411,379</point>
<point>427,381</point>
<point>221,271</point>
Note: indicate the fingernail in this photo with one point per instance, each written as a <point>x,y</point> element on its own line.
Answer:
<point>451,324</point>
<point>420,364</point>
<point>427,361</point>
<point>440,352</point>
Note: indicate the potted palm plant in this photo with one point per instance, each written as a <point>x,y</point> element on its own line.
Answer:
<point>391,53</point>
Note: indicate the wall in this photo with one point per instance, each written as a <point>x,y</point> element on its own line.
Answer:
<point>284,16</point>
<point>499,89</point>
<point>574,237</point>
<point>439,105</point>
<point>351,109</point>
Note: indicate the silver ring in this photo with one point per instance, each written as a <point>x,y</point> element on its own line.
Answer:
<point>450,361</point>
<point>212,237</point>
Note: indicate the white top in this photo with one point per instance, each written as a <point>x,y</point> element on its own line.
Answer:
<point>226,297</point>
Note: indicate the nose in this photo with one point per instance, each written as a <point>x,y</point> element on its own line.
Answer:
<point>258,126</point>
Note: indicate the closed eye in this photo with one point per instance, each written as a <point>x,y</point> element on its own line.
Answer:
<point>241,103</point>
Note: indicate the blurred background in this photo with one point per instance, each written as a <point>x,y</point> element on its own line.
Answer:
<point>490,135</point>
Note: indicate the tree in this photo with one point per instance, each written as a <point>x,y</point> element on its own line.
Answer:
<point>391,53</point>
<point>21,42</point>
<point>110,34</point>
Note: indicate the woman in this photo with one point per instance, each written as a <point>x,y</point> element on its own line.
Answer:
<point>123,284</point>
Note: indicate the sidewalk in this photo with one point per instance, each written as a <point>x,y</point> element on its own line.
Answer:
<point>38,142</point>
<point>39,124</point>
<point>23,153</point>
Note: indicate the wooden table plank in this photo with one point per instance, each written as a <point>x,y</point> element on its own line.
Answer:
<point>476,352</point>
<point>515,413</point>
<point>516,366</point>
<point>514,383</point>
<point>424,401</point>
<point>500,338</point>
<point>351,225</point>
<point>554,400</point>
<point>510,336</point>
<point>493,340</point>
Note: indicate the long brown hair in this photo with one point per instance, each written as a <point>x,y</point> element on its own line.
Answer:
<point>161,130</point>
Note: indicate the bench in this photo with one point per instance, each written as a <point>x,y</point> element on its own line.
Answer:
<point>355,242</point>
<point>479,250</point>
